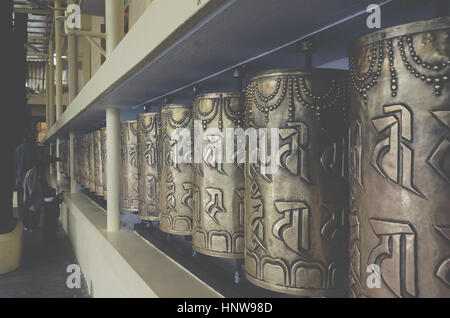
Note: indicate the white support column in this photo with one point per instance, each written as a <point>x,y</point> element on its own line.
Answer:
<point>114,20</point>
<point>114,23</point>
<point>72,56</point>
<point>58,50</point>
<point>51,80</point>
<point>113,167</point>
<point>47,98</point>
<point>73,182</point>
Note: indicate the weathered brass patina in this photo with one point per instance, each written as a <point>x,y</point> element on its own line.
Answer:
<point>76,144</point>
<point>91,143</point>
<point>130,193</point>
<point>219,187</point>
<point>103,150</point>
<point>86,170</point>
<point>177,196</point>
<point>148,134</point>
<point>64,155</point>
<point>400,162</point>
<point>296,234</point>
<point>98,161</point>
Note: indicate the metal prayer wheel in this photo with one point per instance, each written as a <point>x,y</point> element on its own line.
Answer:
<point>98,160</point>
<point>86,161</point>
<point>130,192</point>
<point>296,200</point>
<point>219,185</point>
<point>91,143</point>
<point>177,177</point>
<point>77,158</point>
<point>147,136</point>
<point>63,154</point>
<point>399,164</point>
<point>67,159</point>
<point>103,151</point>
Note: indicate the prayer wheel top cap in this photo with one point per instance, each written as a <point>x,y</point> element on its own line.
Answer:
<point>285,72</point>
<point>219,94</point>
<point>171,106</point>
<point>147,114</point>
<point>401,30</point>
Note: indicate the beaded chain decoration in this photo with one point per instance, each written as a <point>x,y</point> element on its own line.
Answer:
<point>220,105</point>
<point>295,88</point>
<point>365,82</point>
<point>411,61</point>
<point>436,81</point>
<point>167,118</point>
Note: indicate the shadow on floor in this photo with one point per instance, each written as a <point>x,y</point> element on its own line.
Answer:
<point>42,273</point>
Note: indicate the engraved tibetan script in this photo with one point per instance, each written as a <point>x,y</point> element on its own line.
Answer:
<point>392,158</point>
<point>355,143</point>
<point>439,157</point>
<point>256,218</point>
<point>443,270</point>
<point>293,154</point>
<point>293,227</point>
<point>215,204</point>
<point>395,254</point>
<point>150,154</point>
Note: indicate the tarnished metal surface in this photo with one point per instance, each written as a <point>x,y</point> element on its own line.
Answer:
<point>148,134</point>
<point>76,144</point>
<point>177,201</point>
<point>219,187</point>
<point>98,161</point>
<point>91,142</point>
<point>400,162</point>
<point>103,150</point>
<point>130,193</point>
<point>296,234</point>
<point>86,170</point>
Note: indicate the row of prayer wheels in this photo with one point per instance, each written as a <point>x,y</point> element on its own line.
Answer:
<point>358,201</point>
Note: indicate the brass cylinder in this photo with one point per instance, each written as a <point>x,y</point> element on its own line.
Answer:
<point>67,158</point>
<point>295,215</point>
<point>98,160</point>
<point>219,186</point>
<point>86,169</point>
<point>148,138</point>
<point>130,193</point>
<point>91,143</point>
<point>76,145</point>
<point>399,162</point>
<point>176,177</point>
<point>62,155</point>
<point>103,150</point>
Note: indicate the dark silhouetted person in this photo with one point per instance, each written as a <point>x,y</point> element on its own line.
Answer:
<point>28,156</point>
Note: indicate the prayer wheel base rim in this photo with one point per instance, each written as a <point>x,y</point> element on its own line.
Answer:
<point>218,254</point>
<point>149,218</point>
<point>297,291</point>
<point>130,209</point>
<point>168,231</point>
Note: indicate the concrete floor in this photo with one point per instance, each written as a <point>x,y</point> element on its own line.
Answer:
<point>42,273</point>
